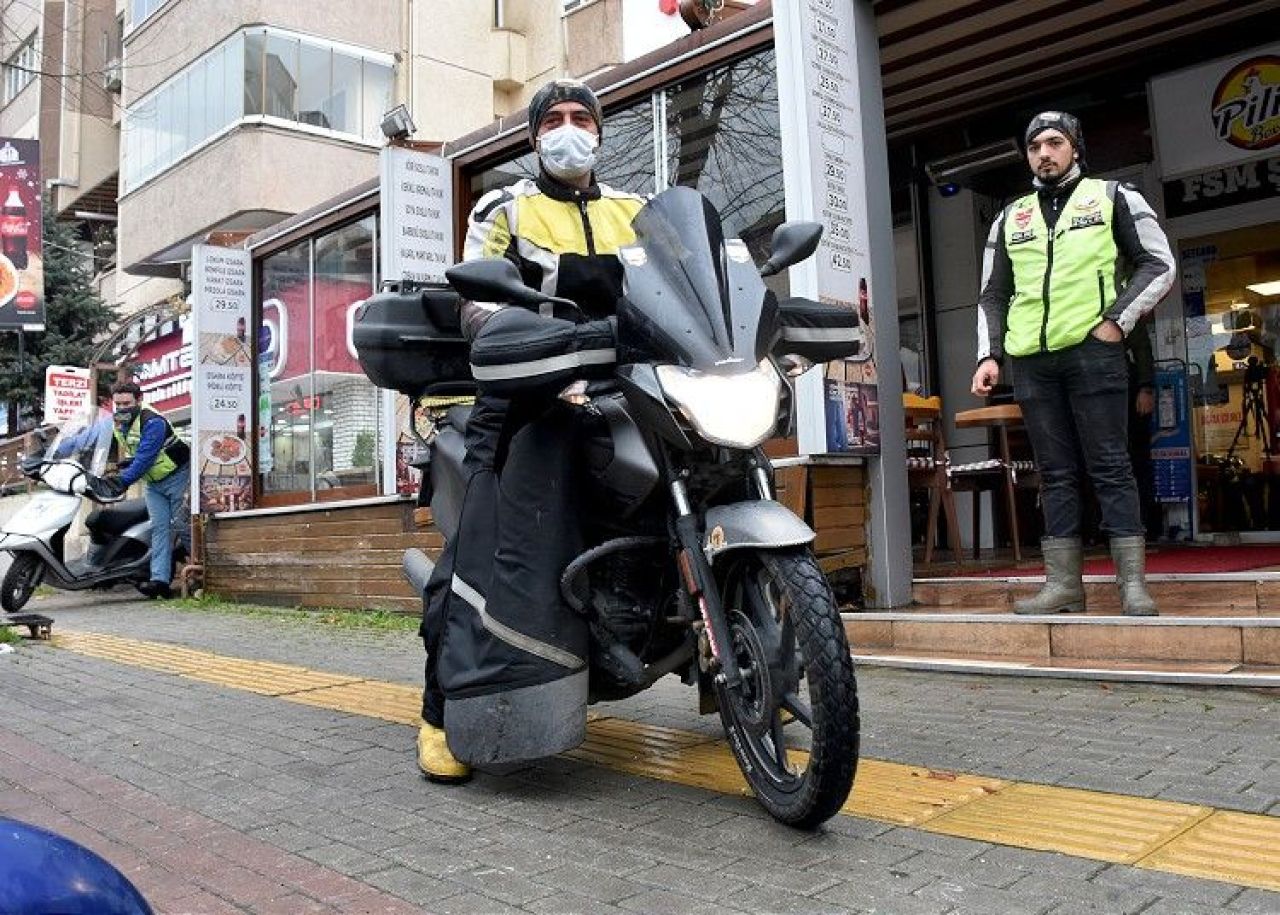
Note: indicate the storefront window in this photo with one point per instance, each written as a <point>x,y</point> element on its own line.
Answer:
<point>346,446</point>
<point>723,138</point>
<point>285,458</point>
<point>324,440</point>
<point>1231,305</point>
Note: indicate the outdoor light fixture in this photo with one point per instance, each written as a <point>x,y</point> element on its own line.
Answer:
<point>953,169</point>
<point>396,124</point>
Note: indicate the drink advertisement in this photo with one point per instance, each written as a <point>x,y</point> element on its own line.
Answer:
<point>21,264</point>
<point>825,182</point>
<point>223,391</point>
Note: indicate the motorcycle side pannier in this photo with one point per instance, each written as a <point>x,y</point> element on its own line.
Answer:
<point>817,331</point>
<point>412,342</point>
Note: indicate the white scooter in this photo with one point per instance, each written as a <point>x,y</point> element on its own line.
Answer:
<point>71,466</point>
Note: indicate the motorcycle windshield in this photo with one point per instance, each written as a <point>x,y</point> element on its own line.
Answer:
<point>692,297</point>
<point>86,441</point>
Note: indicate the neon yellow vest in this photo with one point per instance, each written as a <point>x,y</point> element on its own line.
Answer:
<point>128,444</point>
<point>1062,284</point>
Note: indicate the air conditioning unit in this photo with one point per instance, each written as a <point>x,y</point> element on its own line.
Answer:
<point>111,75</point>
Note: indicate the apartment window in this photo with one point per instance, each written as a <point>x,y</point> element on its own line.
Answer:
<point>140,10</point>
<point>264,74</point>
<point>20,69</point>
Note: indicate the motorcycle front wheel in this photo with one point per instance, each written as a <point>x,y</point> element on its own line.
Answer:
<point>20,582</point>
<point>793,723</point>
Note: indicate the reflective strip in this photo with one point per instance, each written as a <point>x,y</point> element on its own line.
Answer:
<point>1153,239</point>
<point>545,366</point>
<point>510,636</point>
<point>821,334</point>
<point>988,263</point>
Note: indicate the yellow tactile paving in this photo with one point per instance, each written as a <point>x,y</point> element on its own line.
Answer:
<point>1087,824</point>
<point>1197,841</point>
<point>1241,848</point>
<point>388,701</point>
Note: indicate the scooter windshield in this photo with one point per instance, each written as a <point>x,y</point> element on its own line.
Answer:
<point>692,297</point>
<point>86,441</point>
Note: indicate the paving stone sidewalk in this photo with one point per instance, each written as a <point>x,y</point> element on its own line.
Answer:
<point>215,800</point>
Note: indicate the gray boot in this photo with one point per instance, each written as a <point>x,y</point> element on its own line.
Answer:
<point>1130,555</point>
<point>1063,590</point>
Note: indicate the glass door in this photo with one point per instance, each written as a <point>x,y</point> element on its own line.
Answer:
<point>1231,305</point>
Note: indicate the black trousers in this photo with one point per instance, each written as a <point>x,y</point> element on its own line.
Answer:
<point>1074,407</point>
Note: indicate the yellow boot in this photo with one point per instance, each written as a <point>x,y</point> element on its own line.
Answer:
<point>435,760</point>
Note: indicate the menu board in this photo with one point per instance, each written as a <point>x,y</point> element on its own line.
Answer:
<point>417,215</point>
<point>222,402</point>
<point>825,178</point>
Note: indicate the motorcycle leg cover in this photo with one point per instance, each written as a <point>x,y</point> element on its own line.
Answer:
<point>513,658</point>
<point>818,331</point>
<point>519,352</point>
<point>483,438</point>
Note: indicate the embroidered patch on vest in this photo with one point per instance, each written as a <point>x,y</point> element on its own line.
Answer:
<point>1018,238</point>
<point>1089,219</point>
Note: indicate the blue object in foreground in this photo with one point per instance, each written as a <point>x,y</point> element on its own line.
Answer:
<point>42,873</point>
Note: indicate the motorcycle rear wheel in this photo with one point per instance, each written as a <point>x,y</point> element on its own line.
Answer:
<point>20,582</point>
<point>797,673</point>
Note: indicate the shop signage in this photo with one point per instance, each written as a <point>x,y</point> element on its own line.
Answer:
<point>1223,187</point>
<point>21,262</point>
<point>222,397</point>
<point>417,215</point>
<point>68,393</point>
<point>163,370</point>
<point>1217,114</point>
<point>820,103</point>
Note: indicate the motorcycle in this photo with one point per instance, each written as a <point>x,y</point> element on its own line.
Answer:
<point>694,568</point>
<point>71,466</point>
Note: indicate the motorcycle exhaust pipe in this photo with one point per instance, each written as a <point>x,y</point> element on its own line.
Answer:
<point>418,569</point>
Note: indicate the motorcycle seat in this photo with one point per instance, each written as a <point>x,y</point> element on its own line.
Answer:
<point>111,520</point>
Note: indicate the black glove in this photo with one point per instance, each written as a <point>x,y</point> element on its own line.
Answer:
<point>107,488</point>
<point>31,465</point>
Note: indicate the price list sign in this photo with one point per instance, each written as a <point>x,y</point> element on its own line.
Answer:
<point>826,182</point>
<point>222,403</point>
<point>417,215</point>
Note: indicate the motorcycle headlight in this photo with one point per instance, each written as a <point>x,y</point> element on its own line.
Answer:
<point>739,411</point>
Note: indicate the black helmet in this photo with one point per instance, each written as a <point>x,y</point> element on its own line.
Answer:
<point>1068,124</point>
<point>563,90</point>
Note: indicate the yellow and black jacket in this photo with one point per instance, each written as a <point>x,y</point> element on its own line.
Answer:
<point>565,242</point>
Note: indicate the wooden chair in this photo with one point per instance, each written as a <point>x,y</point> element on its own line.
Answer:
<point>999,474</point>
<point>927,468</point>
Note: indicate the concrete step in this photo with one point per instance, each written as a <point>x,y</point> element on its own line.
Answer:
<point>1247,593</point>
<point>1233,648</point>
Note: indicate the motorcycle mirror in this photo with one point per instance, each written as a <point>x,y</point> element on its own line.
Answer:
<point>493,279</point>
<point>792,243</point>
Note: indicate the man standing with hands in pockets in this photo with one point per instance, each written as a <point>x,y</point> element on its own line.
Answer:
<point>1068,271</point>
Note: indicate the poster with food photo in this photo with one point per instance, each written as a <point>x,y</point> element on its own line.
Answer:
<point>21,262</point>
<point>222,394</point>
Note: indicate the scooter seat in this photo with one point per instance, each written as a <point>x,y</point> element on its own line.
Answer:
<point>111,520</point>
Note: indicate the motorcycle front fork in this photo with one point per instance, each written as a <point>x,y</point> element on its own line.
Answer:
<point>697,576</point>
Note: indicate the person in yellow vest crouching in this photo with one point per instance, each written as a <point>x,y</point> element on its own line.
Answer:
<point>150,450</point>
<point>1068,271</point>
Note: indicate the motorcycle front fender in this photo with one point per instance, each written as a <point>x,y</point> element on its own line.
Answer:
<point>759,524</point>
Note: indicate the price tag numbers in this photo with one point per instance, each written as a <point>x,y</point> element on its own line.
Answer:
<point>841,261</point>
<point>838,202</point>
<point>830,114</point>
<point>828,83</point>
<point>218,303</point>
<point>835,172</point>
<point>838,231</point>
<point>224,404</point>
<point>827,6</point>
<point>825,55</point>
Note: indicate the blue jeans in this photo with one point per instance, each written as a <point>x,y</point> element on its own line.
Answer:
<point>1075,406</point>
<point>166,501</point>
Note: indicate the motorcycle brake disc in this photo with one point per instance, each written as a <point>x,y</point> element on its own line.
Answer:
<point>752,701</point>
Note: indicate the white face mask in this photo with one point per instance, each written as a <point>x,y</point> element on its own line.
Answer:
<point>568,152</point>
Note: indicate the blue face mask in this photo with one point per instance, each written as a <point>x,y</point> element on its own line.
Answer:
<point>568,152</point>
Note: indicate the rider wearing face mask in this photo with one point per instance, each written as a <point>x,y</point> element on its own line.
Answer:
<point>150,450</point>
<point>518,528</point>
